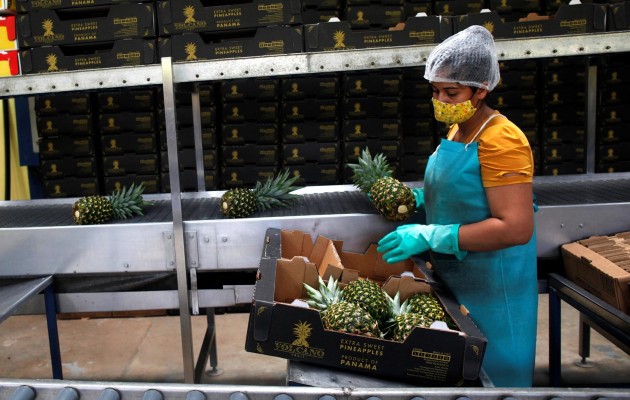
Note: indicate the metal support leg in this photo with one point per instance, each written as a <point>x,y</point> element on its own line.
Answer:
<point>554,338</point>
<point>208,352</point>
<point>585,340</point>
<point>53,333</point>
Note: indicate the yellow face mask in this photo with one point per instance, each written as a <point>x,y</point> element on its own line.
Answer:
<point>453,113</point>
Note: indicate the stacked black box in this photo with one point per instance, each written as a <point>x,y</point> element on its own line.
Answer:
<point>190,30</point>
<point>60,36</point>
<point>249,126</point>
<point>315,11</point>
<point>184,123</point>
<point>562,116</point>
<point>613,119</point>
<point>127,128</point>
<point>68,162</point>
<point>516,96</point>
<point>368,14</point>
<point>310,128</point>
<point>371,116</point>
<point>513,10</point>
<point>418,133</point>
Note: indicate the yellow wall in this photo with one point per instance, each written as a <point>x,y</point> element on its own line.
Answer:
<point>19,174</point>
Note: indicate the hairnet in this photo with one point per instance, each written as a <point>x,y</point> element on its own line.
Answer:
<point>469,57</point>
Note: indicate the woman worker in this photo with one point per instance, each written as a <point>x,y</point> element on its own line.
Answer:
<point>479,208</point>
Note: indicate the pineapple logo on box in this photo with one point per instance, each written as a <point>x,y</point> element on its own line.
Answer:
<point>191,51</point>
<point>300,346</point>
<point>489,26</point>
<point>49,35</point>
<point>51,60</point>
<point>190,23</point>
<point>339,37</point>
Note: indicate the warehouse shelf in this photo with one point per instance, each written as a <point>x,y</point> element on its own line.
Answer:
<point>183,233</point>
<point>301,63</point>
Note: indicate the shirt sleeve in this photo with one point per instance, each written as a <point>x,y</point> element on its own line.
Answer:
<point>505,155</point>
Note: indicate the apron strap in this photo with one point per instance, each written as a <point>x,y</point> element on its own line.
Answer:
<point>481,128</point>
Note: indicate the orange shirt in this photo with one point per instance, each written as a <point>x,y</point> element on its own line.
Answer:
<point>503,150</point>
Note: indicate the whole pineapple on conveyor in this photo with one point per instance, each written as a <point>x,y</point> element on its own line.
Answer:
<point>368,295</point>
<point>275,192</point>
<point>122,204</point>
<point>339,315</point>
<point>393,199</point>
<point>402,320</point>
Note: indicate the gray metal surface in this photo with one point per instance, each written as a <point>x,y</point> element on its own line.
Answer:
<point>301,63</point>
<point>49,390</point>
<point>14,294</point>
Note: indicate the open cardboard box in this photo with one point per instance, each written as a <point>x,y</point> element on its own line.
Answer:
<point>595,264</point>
<point>438,357</point>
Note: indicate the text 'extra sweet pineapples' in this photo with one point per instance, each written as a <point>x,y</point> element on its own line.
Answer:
<point>393,199</point>
<point>275,192</point>
<point>122,204</point>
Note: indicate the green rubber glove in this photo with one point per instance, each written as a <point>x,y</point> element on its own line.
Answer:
<point>412,239</point>
<point>418,193</point>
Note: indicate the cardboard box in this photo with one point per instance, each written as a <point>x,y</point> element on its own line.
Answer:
<point>250,154</point>
<point>312,152</point>
<point>69,166</point>
<point>188,160</point>
<point>86,25</point>
<point>372,84</point>
<point>9,63</point>
<point>601,265</point>
<point>318,131</point>
<point>376,107</point>
<point>250,89</point>
<point>331,36</point>
<point>151,183</point>
<point>184,16</point>
<point>309,110</point>
<point>374,16</point>
<point>391,149</point>
<point>57,147</point>
<point>119,53</point>
<point>315,174</point>
<point>69,124</point>
<point>371,128</point>
<point>261,133</point>
<point>569,20</point>
<point>315,16</point>
<point>71,187</point>
<point>62,103</point>
<point>565,168</point>
<point>7,33</point>
<point>311,86</point>
<point>241,176</point>
<point>113,101</point>
<point>250,111</point>
<point>24,6</point>
<point>131,122</point>
<point>618,18</point>
<point>141,164</point>
<point>427,356</point>
<point>186,138</point>
<point>614,133</point>
<point>121,143</point>
<point>188,180</point>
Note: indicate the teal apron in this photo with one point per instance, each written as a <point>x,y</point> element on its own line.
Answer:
<point>499,288</point>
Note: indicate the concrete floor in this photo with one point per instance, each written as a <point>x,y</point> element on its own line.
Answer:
<point>148,349</point>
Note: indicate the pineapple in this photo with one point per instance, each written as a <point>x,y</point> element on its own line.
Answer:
<point>401,320</point>
<point>393,199</point>
<point>276,192</point>
<point>428,305</point>
<point>339,315</point>
<point>368,295</point>
<point>122,204</point>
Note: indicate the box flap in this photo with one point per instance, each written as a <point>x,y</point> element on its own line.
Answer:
<point>406,286</point>
<point>262,320</point>
<point>295,243</point>
<point>290,276</point>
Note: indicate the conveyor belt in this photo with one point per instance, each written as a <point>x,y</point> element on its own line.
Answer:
<point>549,192</point>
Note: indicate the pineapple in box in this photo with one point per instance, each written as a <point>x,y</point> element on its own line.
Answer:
<point>428,305</point>
<point>122,204</point>
<point>393,199</point>
<point>275,192</point>
<point>339,315</point>
<point>369,295</point>
<point>402,320</point>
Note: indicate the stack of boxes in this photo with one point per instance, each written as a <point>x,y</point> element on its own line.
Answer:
<point>418,134</point>
<point>187,157</point>
<point>60,36</point>
<point>191,31</point>
<point>128,138</point>
<point>249,131</point>
<point>369,14</point>
<point>69,164</point>
<point>310,128</point>
<point>9,63</point>
<point>563,122</point>
<point>613,119</point>
<point>371,116</point>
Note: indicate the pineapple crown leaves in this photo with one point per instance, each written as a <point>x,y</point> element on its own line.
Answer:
<point>276,192</point>
<point>327,295</point>
<point>127,202</point>
<point>369,169</point>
